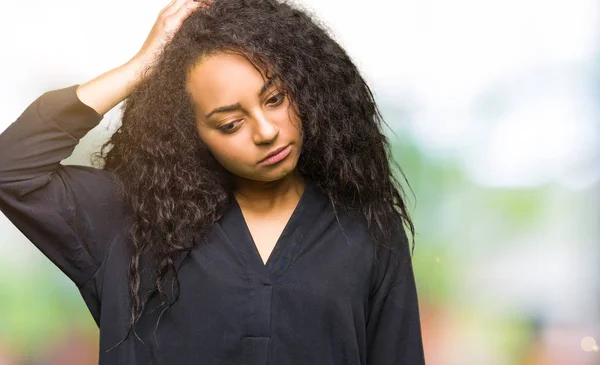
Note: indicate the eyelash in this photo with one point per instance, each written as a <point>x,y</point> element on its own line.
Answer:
<point>224,128</point>
<point>275,96</point>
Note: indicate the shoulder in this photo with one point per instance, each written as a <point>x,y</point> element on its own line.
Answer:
<point>388,253</point>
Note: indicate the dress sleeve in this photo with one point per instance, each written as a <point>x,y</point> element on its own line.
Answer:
<point>68,212</point>
<point>393,324</point>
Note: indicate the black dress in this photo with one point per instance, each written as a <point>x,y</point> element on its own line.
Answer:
<point>319,299</point>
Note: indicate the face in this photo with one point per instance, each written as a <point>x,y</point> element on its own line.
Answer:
<point>242,117</point>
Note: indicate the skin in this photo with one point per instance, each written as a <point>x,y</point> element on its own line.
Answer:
<point>240,138</point>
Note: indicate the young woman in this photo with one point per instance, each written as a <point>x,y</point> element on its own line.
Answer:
<point>245,211</point>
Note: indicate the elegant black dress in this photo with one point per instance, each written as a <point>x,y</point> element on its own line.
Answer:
<point>319,299</point>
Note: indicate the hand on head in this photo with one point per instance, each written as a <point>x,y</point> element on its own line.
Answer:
<point>168,22</point>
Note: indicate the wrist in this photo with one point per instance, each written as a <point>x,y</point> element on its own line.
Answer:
<point>137,64</point>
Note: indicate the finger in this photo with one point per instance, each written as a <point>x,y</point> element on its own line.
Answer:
<point>185,10</point>
<point>174,7</point>
<point>205,3</point>
<point>166,7</point>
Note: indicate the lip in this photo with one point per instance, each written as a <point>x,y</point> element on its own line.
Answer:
<point>273,153</point>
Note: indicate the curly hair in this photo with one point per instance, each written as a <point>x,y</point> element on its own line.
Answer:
<point>175,187</point>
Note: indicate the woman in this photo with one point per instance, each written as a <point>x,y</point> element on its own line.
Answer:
<point>245,212</point>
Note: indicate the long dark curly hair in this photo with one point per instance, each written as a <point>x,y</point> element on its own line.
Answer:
<point>176,189</point>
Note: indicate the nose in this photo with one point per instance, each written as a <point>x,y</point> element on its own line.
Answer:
<point>265,130</point>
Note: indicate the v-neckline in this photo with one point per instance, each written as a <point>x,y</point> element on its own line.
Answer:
<point>285,233</point>
<point>289,243</point>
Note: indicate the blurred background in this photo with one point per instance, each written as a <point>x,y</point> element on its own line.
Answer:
<point>493,108</point>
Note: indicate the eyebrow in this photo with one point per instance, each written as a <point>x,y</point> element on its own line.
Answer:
<point>237,106</point>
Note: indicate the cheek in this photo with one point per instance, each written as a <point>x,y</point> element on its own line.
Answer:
<point>227,152</point>
<point>296,129</point>
<point>295,123</point>
<point>228,158</point>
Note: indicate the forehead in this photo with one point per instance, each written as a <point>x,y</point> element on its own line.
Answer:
<point>223,79</point>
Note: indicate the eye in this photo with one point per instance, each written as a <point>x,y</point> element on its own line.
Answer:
<point>229,127</point>
<point>276,100</point>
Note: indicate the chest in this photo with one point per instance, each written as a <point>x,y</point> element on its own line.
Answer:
<point>230,304</point>
<point>314,275</point>
<point>266,231</point>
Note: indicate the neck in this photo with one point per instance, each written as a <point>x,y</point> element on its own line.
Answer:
<point>266,196</point>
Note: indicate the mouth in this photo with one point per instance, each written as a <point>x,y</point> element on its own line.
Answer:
<point>276,155</point>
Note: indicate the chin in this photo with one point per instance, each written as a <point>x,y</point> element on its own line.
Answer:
<point>276,173</point>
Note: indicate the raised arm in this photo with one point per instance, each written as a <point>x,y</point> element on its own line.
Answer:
<point>109,89</point>
<point>59,208</point>
<point>71,213</point>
